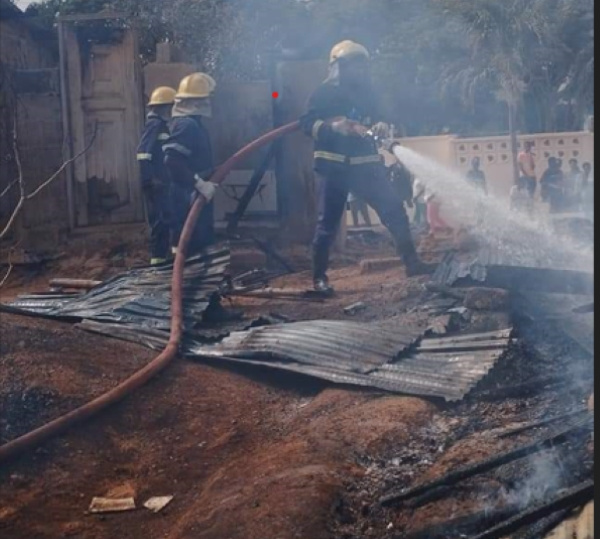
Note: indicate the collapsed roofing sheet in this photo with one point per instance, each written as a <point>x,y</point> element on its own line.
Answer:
<point>497,268</point>
<point>379,355</point>
<point>140,297</point>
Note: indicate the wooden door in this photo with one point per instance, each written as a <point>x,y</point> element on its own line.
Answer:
<point>104,101</point>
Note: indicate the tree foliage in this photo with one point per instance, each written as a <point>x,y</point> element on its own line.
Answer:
<point>441,64</point>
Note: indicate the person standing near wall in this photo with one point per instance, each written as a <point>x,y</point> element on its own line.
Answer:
<point>189,160</point>
<point>436,223</point>
<point>552,185</point>
<point>519,197</point>
<point>526,161</point>
<point>338,115</point>
<point>476,177</point>
<point>154,178</point>
<point>574,183</point>
<point>420,217</point>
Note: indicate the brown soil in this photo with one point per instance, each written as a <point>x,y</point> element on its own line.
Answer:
<point>247,454</point>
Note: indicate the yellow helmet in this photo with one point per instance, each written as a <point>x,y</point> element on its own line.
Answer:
<point>196,85</point>
<point>163,95</point>
<point>347,49</point>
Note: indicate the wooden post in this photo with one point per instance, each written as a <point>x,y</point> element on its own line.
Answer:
<point>66,120</point>
<point>295,80</point>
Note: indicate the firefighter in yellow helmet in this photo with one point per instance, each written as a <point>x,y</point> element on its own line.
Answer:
<point>153,176</point>
<point>339,115</point>
<point>189,160</point>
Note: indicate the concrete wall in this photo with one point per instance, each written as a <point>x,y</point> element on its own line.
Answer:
<point>494,153</point>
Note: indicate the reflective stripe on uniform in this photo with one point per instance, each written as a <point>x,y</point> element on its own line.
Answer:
<point>365,159</point>
<point>177,148</point>
<point>315,129</point>
<point>157,261</point>
<point>339,158</point>
<point>144,157</point>
<point>164,136</point>
<point>329,156</point>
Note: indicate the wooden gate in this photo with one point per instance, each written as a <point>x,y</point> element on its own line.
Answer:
<point>102,102</point>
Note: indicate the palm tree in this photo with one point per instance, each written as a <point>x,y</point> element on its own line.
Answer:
<point>577,27</point>
<point>502,36</point>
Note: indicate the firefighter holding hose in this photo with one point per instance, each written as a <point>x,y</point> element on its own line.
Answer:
<point>155,185</point>
<point>340,114</point>
<point>189,160</point>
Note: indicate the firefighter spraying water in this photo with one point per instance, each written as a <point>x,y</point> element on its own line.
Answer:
<point>343,119</point>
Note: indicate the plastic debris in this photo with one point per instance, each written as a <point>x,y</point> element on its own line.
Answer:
<point>355,308</point>
<point>157,503</point>
<point>111,505</point>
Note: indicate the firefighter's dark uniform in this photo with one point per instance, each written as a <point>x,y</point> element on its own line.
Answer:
<point>188,151</point>
<point>155,185</point>
<point>350,163</point>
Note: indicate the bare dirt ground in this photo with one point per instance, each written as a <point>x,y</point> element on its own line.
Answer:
<point>247,454</point>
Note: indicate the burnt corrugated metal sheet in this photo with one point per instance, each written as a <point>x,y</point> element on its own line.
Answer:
<point>157,339</point>
<point>140,297</point>
<point>475,266</point>
<point>374,355</point>
<point>494,267</point>
<point>341,345</point>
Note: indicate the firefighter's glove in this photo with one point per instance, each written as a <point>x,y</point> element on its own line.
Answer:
<point>347,127</point>
<point>206,189</point>
<point>381,130</point>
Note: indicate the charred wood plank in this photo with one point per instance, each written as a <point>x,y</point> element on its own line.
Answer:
<point>77,284</point>
<point>542,423</point>
<point>534,386</point>
<point>463,526</point>
<point>534,280</point>
<point>486,465</point>
<point>543,526</point>
<point>575,497</point>
<point>250,191</point>
<point>269,250</point>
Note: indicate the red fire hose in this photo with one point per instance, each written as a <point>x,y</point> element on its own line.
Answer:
<point>47,431</point>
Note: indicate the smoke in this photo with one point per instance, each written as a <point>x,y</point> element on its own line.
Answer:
<point>522,238</point>
<point>543,481</point>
